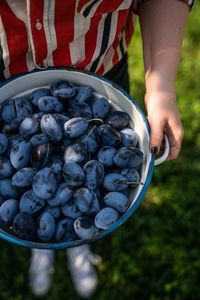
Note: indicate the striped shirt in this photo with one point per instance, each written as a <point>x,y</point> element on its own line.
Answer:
<point>84,34</point>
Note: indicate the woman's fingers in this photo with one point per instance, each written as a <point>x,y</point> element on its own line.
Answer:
<point>156,137</point>
<point>174,131</point>
<point>175,135</point>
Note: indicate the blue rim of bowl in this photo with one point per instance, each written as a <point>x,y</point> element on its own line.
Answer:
<point>63,245</point>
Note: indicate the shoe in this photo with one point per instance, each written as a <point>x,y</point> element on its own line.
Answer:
<point>41,271</point>
<point>81,263</point>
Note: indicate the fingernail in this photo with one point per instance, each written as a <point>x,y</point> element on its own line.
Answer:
<point>154,150</point>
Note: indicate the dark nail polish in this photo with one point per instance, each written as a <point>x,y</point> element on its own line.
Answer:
<point>154,150</point>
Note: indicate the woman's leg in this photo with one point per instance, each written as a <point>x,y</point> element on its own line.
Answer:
<point>81,262</point>
<point>41,271</point>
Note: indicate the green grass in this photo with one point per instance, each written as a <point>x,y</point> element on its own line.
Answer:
<point>155,254</point>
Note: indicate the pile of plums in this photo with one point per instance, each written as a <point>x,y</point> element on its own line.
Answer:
<point>67,163</point>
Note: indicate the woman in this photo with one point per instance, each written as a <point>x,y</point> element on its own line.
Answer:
<point>94,35</point>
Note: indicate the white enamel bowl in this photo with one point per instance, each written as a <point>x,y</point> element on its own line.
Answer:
<point>120,100</point>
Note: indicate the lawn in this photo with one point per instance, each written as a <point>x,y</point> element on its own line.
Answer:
<point>155,254</point>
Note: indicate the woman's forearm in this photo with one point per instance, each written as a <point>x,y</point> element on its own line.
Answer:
<point>162,25</point>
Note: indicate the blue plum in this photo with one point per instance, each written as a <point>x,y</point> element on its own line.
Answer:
<point>31,203</point>
<point>76,152</point>
<point>85,228</point>
<point>41,155</point>
<point>15,109</point>
<point>23,178</point>
<point>70,210</point>
<point>86,201</point>
<point>24,226</point>
<point>12,141</point>
<point>44,183</point>
<point>7,190</point>
<point>51,127</point>
<point>50,104</point>
<point>8,211</point>
<point>83,94</point>
<point>46,227</point>
<point>6,169</point>
<point>65,231</point>
<point>81,110</point>
<point>100,108</point>
<point>118,119</point>
<point>75,127</point>
<point>63,195</point>
<point>106,217</point>
<point>129,137</point>
<point>73,174</point>
<point>62,89</point>
<point>23,109</point>
<point>29,126</point>
<point>106,155</point>
<point>114,182</point>
<point>132,175</point>
<point>128,157</point>
<point>109,135</point>
<point>90,138</point>
<point>117,200</point>
<point>7,112</point>
<point>38,139</point>
<point>94,174</point>
<point>20,154</point>
<point>37,94</point>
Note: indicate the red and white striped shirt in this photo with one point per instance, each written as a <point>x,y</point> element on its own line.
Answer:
<point>85,34</point>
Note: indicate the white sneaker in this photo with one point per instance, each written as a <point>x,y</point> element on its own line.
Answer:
<point>81,265</point>
<point>41,271</point>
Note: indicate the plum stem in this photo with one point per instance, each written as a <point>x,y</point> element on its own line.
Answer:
<point>133,182</point>
<point>96,119</point>
<point>129,182</point>
<point>90,131</point>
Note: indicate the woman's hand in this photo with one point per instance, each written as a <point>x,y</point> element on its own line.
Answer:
<point>163,117</point>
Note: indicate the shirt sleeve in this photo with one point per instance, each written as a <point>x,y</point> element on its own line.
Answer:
<point>136,3</point>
